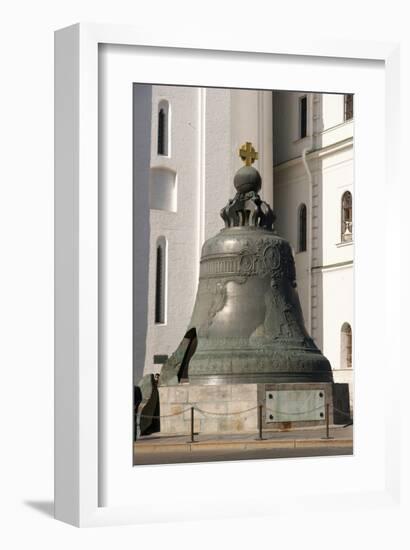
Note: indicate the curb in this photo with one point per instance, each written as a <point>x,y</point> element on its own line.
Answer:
<point>148,448</point>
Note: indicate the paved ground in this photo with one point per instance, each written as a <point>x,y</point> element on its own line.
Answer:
<point>176,457</point>
<point>159,449</point>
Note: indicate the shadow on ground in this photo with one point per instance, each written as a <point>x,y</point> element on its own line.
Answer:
<point>45,507</point>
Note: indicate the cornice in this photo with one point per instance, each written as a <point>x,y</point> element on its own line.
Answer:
<point>316,153</point>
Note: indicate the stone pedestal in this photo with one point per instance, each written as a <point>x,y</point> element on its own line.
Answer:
<point>234,408</point>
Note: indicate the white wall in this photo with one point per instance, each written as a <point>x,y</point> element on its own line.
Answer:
<point>287,142</point>
<point>251,120</point>
<point>337,177</point>
<point>325,287</point>
<point>178,225</point>
<point>207,128</point>
<point>337,309</point>
<point>291,189</point>
<point>333,110</point>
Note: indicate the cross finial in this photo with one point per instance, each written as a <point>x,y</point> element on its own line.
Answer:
<point>248,154</point>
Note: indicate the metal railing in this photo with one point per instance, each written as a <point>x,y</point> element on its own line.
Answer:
<point>260,408</point>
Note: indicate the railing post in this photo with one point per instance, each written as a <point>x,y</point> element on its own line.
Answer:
<point>327,423</point>
<point>327,420</point>
<point>260,421</point>
<point>192,425</point>
<point>137,426</point>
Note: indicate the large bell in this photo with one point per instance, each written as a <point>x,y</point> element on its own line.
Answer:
<point>247,324</point>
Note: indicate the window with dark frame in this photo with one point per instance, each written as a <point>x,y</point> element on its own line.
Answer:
<point>303,117</point>
<point>160,286</point>
<point>302,229</point>
<point>348,101</point>
<point>162,130</point>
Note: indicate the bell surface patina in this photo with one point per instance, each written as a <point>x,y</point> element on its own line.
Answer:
<point>247,324</point>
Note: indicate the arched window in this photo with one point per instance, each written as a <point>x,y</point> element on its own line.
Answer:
<point>347,217</point>
<point>302,223</point>
<point>346,346</point>
<point>160,281</point>
<point>163,128</point>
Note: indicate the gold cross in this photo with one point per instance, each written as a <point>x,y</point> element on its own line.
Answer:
<point>248,154</point>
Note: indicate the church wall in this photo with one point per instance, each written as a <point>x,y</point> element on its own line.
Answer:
<point>336,134</point>
<point>218,158</point>
<point>326,292</point>
<point>337,310</point>
<point>208,126</point>
<point>332,110</point>
<point>177,225</point>
<point>290,191</point>
<point>142,114</point>
<point>229,119</point>
<point>337,177</point>
<point>251,120</point>
<point>287,143</point>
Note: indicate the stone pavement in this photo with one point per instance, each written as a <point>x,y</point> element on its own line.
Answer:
<point>342,438</point>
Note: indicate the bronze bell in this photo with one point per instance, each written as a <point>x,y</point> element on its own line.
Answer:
<point>247,324</point>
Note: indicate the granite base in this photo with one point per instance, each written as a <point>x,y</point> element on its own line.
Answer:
<point>235,408</point>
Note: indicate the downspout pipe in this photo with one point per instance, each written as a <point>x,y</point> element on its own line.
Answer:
<point>305,151</point>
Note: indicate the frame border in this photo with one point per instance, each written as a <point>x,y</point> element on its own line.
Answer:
<point>76,241</point>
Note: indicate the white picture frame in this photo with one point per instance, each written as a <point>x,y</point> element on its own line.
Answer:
<point>79,414</point>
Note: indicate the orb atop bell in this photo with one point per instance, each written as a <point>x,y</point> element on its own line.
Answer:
<point>247,179</point>
<point>247,324</point>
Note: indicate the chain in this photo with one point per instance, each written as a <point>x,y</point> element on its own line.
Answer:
<point>294,413</point>
<point>224,414</point>
<point>214,413</point>
<point>162,415</point>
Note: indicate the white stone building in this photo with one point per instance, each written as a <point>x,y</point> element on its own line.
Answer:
<point>313,200</point>
<point>185,157</point>
<point>186,154</point>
